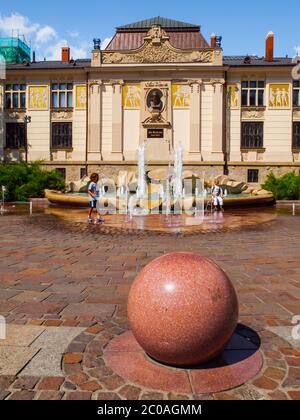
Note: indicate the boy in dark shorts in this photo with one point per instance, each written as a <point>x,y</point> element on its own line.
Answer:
<point>93,191</point>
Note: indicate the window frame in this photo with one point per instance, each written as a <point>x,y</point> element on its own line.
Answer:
<point>81,173</point>
<point>296,88</point>
<point>59,93</point>
<point>256,89</point>
<point>252,144</point>
<point>61,145</point>
<point>250,178</point>
<point>16,144</point>
<point>11,93</point>
<point>296,136</point>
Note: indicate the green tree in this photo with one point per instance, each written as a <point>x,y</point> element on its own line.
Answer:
<point>28,180</point>
<point>286,187</point>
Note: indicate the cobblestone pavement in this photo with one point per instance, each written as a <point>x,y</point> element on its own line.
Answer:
<point>64,288</point>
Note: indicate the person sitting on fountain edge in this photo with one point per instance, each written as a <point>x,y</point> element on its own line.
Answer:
<point>93,191</point>
<point>217,196</point>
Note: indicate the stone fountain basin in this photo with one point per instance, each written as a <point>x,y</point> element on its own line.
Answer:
<point>81,200</point>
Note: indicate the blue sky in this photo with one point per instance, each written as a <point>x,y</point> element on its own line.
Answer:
<point>52,24</point>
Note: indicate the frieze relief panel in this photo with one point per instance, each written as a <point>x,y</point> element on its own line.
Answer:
<point>61,115</point>
<point>15,115</point>
<point>38,98</point>
<point>157,49</point>
<point>132,96</point>
<point>81,97</point>
<point>279,96</point>
<point>255,114</point>
<point>233,93</point>
<point>181,96</point>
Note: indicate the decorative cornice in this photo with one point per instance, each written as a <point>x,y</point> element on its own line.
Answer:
<point>117,82</point>
<point>159,85</point>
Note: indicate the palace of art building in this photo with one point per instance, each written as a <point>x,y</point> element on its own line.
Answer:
<point>159,82</point>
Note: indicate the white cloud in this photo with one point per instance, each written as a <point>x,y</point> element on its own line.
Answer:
<point>19,24</point>
<point>43,38</point>
<point>44,34</point>
<point>53,52</point>
<point>105,43</point>
<point>73,34</point>
<point>297,49</point>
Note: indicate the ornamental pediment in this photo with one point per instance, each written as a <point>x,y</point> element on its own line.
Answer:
<point>158,50</point>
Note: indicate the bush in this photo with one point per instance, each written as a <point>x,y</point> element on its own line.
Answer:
<point>286,187</point>
<point>27,180</point>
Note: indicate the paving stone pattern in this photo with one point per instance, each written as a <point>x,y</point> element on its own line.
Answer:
<point>64,288</point>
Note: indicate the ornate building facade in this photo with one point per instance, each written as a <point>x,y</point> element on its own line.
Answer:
<point>159,82</point>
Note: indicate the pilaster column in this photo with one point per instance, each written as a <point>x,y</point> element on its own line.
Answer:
<point>217,153</point>
<point>117,120</point>
<point>195,118</point>
<point>1,120</point>
<point>95,118</point>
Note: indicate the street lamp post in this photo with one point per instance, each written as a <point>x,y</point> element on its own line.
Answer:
<point>27,120</point>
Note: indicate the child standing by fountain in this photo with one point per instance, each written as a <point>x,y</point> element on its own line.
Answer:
<point>94,192</point>
<point>217,196</point>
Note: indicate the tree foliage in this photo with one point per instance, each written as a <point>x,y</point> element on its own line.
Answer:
<point>28,180</point>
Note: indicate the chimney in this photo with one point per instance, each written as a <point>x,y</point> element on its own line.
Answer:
<point>213,40</point>
<point>33,57</point>
<point>270,47</point>
<point>65,55</point>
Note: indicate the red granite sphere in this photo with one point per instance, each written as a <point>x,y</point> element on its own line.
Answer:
<point>182,309</point>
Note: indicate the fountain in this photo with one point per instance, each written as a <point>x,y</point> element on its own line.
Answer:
<point>170,191</point>
<point>178,169</point>
<point>141,190</point>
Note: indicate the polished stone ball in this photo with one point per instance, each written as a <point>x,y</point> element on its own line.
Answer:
<point>182,309</point>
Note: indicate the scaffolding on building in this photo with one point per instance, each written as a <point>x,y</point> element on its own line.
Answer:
<point>14,49</point>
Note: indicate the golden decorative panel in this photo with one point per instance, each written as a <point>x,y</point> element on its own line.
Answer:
<point>158,49</point>
<point>132,96</point>
<point>80,97</point>
<point>38,98</point>
<point>181,96</point>
<point>279,96</point>
<point>233,96</point>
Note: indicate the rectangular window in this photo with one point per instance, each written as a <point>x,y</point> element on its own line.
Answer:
<point>62,171</point>
<point>62,95</point>
<point>253,93</point>
<point>83,173</point>
<point>296,93</point>
<point>252,135</point>
<point>253,175</point>
<point>15,96</point>
<point>15,135</point>
<point>296,135</point>
<point>61,136</point>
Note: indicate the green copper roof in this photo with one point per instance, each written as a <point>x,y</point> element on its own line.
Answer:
<point>163,22</point>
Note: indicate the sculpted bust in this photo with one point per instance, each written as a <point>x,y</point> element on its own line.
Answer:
<point>154,101</point>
